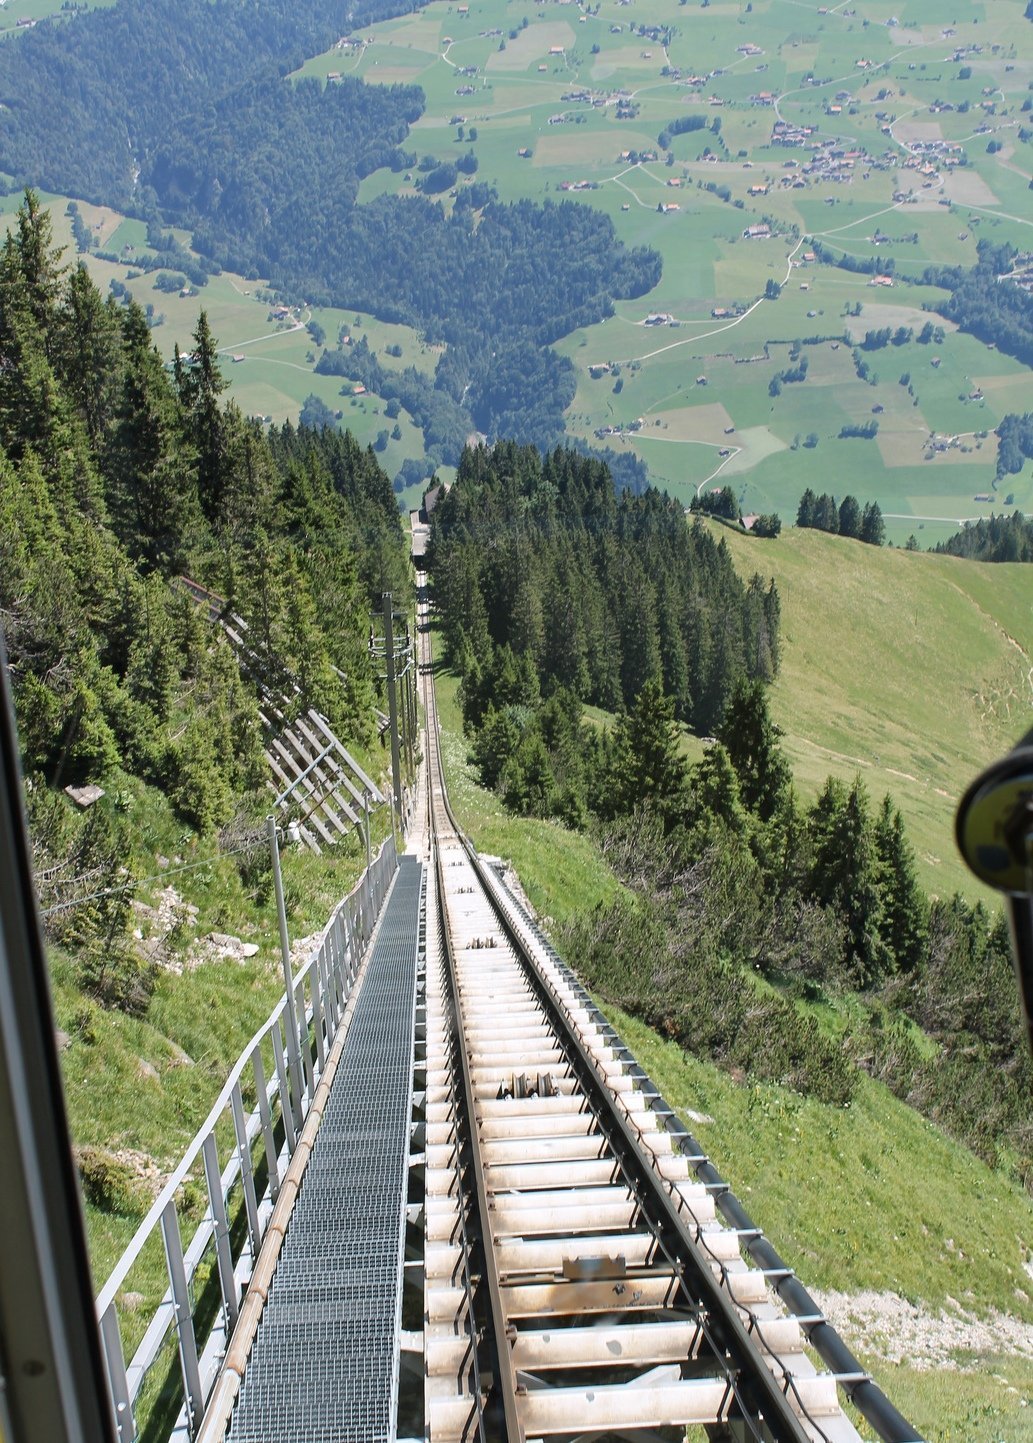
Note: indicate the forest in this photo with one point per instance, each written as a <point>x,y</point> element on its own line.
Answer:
<point>87,97</point>
<point>1014,444</point>
<point>557,592</point>
<point>993,538</point>
<point>995,313</point>
<point>498,284</point>
<point>843,518</point>
<point>118,475</point>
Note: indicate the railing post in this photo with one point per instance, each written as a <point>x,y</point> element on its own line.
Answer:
<point>114,1358</point>
<point>220,1226</point>
<point>304,1049</point>
<point>247,1176</point>
<point>317,1017</point>
<point>285,959</point>
<point>193,1396</point>
<point>283,1087</point>
<point>266,1115</point>
<point>339,981</point>
<point>324,962</point>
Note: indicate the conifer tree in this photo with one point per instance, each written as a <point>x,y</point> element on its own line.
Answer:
<point>648,769</point>
<point>751,738</point>
<point>904,908</point>
<point>714,791</point>
<point>89,353</point>
<point>783,846</point>
<point>849,517</point>
<point>873,528</point>
<point>39,263</point>
<point>845,875</point>
<point>153,502</point>
<point>826,513</point>
<point>200,384</point>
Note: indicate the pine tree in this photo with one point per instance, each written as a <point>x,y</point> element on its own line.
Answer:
<point>648,768</point>
<point>845,875</point>
<point>751,738</point>
<point>89,350</point>
<point>805,511</point>
<point>496,741</point>
<point>714,792</point>
<point>849,517</point>
<point>39,264</point>
<point>873,528</point>
<point>783,846</point>
<point>152,498</point>
<point>904,907</point>
<point>826,513</point>
<point>201,383</point>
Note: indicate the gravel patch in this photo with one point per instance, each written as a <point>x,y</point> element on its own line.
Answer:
<point>889,1327</point>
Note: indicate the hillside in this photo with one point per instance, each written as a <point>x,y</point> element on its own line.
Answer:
<point>142,728</point>
<point>927,1244</point>
<point>914,670</point>
<point>766,196</point>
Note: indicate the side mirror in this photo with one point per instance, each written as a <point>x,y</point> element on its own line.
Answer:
<point>994,830</point>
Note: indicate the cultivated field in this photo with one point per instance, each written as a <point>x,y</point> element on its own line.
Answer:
<point>855,126</point>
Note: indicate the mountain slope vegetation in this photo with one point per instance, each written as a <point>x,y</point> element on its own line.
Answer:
<point>87,97</point>
<point>266,173</point>
<point>115,477</point>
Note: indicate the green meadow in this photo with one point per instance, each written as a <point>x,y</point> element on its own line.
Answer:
<point>914,671</point>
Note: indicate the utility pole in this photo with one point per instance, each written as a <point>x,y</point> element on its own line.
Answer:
<point>392,707</point>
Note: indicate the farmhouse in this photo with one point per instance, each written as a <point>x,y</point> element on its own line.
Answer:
<point>757,232</point>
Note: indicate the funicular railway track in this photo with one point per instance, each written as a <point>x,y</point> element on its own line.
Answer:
<point>578,1280</point>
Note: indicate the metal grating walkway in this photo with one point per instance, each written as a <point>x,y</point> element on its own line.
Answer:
<point>324,1364</point>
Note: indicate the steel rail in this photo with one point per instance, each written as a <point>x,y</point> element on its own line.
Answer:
<point>754,1385</point>
<point>502,1397</point>
<point>726,1331</point>
<point>504,1392</point>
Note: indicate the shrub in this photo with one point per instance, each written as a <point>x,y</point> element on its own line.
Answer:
<point>108,1184</point>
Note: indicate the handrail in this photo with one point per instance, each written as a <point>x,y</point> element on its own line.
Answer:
<point>320,987</point>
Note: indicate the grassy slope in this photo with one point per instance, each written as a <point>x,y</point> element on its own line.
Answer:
<point>912,669</point>
<point>868,1197</point>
